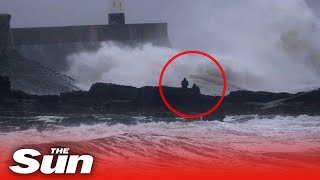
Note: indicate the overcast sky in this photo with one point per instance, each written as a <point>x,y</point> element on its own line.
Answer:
<point>31,13</point>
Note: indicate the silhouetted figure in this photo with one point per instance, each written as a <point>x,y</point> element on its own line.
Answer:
<point>185,83</point>
<point>196,89</point>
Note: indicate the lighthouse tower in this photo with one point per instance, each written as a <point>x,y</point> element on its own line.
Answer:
<point>116,13</point>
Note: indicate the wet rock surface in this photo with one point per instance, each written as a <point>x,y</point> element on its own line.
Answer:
<point>146,101</point>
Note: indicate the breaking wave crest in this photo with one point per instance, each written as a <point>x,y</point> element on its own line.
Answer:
<point>240,138</point>
<point>268,47</point>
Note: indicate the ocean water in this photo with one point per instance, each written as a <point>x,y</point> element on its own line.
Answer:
<point>240,141</point>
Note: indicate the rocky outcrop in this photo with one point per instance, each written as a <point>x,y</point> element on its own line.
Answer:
<point>113,99</point>
<point>266,103</point>
<point>146,101</point>
<point>5,87</point>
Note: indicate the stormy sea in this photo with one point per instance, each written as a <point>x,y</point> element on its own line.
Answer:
<point>239,142</point>
<point>269,47</point>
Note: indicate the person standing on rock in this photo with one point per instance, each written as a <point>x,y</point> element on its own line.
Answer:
<point>185,83</point>
<point>196,89</point>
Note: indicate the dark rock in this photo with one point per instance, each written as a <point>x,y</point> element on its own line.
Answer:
<point>250,96</point>
<point>112,91</point>
<point>5,87</point>
<point>146,101</point>
<point>117,99</point>
<point>266,103</point>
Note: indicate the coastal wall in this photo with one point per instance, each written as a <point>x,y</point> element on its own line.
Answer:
<point>26,74</point>
<point>35,58</point>
<point>128,33</point>
<point>51,45</point>
<point>5,36</point>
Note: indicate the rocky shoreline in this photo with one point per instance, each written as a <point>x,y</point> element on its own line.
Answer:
<point>126,100</point>
<point>33,78</point>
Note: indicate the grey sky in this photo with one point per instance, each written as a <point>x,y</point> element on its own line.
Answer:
<point>31,13</point>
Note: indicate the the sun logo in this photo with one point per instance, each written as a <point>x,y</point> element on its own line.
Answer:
<point>65,163</point>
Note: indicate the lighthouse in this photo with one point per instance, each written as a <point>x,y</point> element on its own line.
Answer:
<point>116,13</point>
